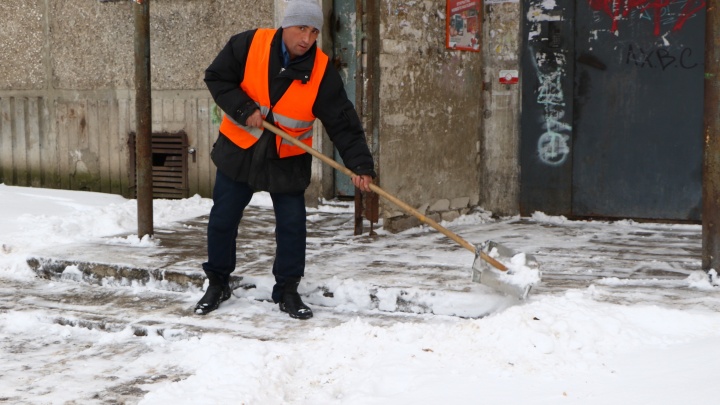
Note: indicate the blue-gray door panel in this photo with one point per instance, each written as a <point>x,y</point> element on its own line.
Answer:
<point>637,147</point>
<point>547,108</point>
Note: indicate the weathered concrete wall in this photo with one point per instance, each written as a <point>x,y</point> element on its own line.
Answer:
<point>66,97</point>
<point>430,109</point>
<point>91,43</point>
<point>500,168</point>
<point>67,86</point>
<point>22,45</point>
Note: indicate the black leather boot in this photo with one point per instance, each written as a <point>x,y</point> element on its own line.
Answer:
<point>218,291</point>
<point>291,302</point>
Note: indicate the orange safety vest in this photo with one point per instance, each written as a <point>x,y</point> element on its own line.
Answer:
<point>292,113</point>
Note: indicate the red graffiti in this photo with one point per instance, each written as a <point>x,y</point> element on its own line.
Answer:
<point>655,9</point>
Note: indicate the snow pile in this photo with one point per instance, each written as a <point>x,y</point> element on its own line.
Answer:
<point>139,345</point>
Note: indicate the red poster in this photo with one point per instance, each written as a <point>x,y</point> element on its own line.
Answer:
<point>462,25</point>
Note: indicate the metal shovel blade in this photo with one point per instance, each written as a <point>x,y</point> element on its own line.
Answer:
<point>522,275</point>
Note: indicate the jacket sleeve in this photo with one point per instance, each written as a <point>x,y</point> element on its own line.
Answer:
<point>340,119</point>
<point>226,72</point>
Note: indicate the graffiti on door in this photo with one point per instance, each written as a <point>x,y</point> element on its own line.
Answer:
<point>660,58</point>
<point>669,15</point>
<point>553,148</point>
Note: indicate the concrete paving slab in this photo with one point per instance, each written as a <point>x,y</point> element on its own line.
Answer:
<point>408,272</point>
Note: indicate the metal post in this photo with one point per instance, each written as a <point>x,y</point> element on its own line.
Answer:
<point>711,161</point>
<point>143,140</point>
<point>371,12</point>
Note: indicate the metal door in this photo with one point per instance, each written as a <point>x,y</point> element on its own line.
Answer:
<point>344,32</point>
<point>546,121</point>
<point>638,109</point>
<point>613,108</point>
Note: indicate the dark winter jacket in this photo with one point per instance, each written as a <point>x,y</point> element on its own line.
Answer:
<point>259,164</point>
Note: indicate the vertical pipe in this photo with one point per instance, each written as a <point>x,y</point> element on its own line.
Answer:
<point>359,39</point>
<point>143,143</point>
<point>371,12</point>
<point>711,160</point>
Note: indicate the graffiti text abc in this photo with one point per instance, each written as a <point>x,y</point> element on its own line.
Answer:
<point>659,58</point>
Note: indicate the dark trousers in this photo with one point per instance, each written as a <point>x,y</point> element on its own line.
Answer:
<point>229,201</point>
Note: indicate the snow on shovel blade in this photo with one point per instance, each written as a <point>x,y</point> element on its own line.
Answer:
<point>522,275</point>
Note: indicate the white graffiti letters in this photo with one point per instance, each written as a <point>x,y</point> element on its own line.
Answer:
<point>552,145</point>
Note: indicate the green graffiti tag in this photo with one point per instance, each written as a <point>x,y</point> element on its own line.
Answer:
<point>216,114</point>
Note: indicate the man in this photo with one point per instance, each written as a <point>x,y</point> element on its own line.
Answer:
<point>282,77</point>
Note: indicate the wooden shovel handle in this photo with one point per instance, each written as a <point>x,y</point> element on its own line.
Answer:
<point>405,207</point>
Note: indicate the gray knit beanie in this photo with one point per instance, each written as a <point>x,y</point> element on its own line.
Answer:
<point>303,12</point>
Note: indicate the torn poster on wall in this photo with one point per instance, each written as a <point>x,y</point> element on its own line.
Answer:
<point>462,25</point>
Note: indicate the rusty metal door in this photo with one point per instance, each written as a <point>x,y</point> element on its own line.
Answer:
<point>613,108</point>
<point>638,109</point>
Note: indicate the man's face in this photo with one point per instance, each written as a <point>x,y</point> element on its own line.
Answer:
<point>299,38</point>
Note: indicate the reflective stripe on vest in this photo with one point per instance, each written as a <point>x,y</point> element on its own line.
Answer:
<point>292,113</point>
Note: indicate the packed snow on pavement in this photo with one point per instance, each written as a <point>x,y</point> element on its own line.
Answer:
<point>567,348</point>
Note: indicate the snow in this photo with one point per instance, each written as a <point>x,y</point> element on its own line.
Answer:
<point>567,348</point>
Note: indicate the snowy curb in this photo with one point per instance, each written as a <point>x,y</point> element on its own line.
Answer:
<point>103,273</point>
<point>345,294</point>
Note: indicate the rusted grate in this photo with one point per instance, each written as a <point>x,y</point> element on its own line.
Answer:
<point>169,164</point>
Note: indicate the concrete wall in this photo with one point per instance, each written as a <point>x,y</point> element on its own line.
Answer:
<point>67,86</point>
<point>430,108</point>
<point>445,130</point>
<point>499,167</point>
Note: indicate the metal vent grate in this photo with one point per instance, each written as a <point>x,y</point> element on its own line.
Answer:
<point>169,164</point>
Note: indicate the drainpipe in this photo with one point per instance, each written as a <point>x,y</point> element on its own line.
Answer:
<point>711,160</point>
<point>143,110</point>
